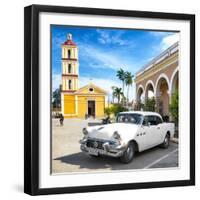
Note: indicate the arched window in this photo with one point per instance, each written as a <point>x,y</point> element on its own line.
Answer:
<point>70,84</point>
<point>69,53</point>
<point>69,68</point>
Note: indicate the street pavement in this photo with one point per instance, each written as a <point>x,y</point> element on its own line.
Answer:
<point>67,157</point>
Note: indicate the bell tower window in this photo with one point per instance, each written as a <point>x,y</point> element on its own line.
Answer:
<point>69,53</point>
<point>69,68</point>
<point>70,84</point>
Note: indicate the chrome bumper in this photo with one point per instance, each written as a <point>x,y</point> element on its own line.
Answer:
<point>113,150</point>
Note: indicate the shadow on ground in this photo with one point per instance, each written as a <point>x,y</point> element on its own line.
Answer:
<point>85,161</point>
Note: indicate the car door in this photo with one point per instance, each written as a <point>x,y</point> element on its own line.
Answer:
<point>160,134</point>
<point>141,138</point>
<point>151,131</point>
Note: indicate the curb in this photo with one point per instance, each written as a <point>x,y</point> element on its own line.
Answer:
<point>174,140</point>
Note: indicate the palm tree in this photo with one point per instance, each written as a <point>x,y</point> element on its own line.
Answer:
<point>113,93</point>
<point>121,74</point>
<point>118,93</point>
<point>128,82</point>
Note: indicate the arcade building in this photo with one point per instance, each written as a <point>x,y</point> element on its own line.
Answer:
<point>160,79</point>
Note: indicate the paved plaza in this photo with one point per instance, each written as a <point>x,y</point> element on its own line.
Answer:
<point>67,156</point>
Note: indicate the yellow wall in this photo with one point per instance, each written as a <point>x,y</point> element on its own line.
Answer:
<point>69,104</point>
<point>83,106</point>
<point>100,105</point>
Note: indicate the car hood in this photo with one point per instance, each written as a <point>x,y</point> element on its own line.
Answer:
<point>105,132</point>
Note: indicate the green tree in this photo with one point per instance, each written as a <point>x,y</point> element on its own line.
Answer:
<point>138,106</point>
<point>121,74</point>
<point>149,104</point>
<point>118,93</point>
<point>113,93</point>
<point>115,109</point>
<point>128,82</point>
<point>56,97</point>
<point>108,111</point>
<point>123,99</point>
<point>173,107</point>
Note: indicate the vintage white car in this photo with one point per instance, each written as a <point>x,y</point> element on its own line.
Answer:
<point>133,131</point>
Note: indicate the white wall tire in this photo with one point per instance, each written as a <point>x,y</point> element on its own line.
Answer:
<point>129,153</point>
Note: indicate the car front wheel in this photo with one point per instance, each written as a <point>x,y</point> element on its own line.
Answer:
<point>129,153</point>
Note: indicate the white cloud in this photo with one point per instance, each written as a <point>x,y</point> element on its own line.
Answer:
<point>169,40</point>
<point>106,84</point>
<point>103,83</point>
<point>56,81</point>
<point>108,37</point>
<point>98,58</point>
<point>166,40</point>
<point>159,33</point>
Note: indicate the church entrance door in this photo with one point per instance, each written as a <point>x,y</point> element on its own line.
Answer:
<point>91,108</point>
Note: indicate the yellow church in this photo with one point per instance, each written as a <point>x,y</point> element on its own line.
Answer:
<point>89,100</point>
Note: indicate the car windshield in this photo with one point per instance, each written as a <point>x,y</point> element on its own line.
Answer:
<point>129,118</point>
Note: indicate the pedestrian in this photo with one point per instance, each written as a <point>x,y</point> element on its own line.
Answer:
<point>61,119</point>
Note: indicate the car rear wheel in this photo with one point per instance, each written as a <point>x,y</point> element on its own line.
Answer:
<point>129,153</point>
<point>165,144</point>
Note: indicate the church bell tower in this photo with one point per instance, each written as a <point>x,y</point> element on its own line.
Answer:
<point>70,66</point>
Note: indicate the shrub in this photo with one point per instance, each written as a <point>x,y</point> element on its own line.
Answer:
<point>149,104</point>
<point>173,107</point>
<point>108,111</point>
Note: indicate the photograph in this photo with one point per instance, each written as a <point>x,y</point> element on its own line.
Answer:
<point>114,99</point>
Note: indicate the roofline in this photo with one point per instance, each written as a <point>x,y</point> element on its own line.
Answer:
<point>172,49</point>
<point>142,112</point>
<point>90,84</point>
<point>69,45</point>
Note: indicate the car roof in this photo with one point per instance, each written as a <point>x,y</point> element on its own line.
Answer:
<point>144,113</point>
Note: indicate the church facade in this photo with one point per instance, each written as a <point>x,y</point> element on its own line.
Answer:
<point>78,102</point>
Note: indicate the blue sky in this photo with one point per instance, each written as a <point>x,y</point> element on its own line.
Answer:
<point>103,51</point>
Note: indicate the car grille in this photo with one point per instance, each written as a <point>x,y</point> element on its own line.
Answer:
<point>96,143</point>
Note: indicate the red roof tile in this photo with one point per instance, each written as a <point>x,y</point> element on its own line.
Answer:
<point>69,42</point>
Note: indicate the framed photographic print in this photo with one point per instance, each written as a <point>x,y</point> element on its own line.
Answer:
<point>109,100</point>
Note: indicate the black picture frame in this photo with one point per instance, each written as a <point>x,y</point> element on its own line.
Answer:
<point>31,98</point>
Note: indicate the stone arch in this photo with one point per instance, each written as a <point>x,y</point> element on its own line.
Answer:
<point>149,88</point>
<point>162,94</point>
<point>140,93</point>
<point>162,76</point>
<point>174,81</point>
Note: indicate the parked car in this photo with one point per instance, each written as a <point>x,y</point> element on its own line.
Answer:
<point>133,131</point>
